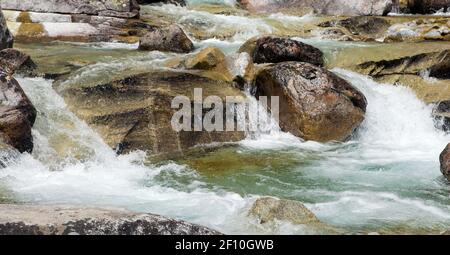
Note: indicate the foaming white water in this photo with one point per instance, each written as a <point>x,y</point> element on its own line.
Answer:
<point>71,164</point>
<point>398,125</point>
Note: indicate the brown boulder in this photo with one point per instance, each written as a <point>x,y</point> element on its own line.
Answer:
<point>428,6</point>
<point>315,104</point>
<point>275,50</point>
<point>17,115</point>
<point>172,39</point>
<point>14,61</point>
<point>444,159</point>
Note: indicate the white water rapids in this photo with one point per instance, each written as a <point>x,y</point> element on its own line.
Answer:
<point>386,177</point>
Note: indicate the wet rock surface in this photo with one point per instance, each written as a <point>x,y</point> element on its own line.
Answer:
<point>14,61</point>
<point>17,115</point>
<point>444,159</point>
<point>6,38</point>
<point>363,27</point>
<point>268,209</point>
<point>72,220</point>
<point>142,119</point>
<point>171,38</point>
<point>315,104</point>
<point>275,50</point>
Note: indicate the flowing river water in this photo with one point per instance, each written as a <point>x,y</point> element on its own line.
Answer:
<point>385,179</point>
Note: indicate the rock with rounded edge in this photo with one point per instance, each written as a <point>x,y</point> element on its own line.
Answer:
<point>14,61</point>
<point>314,104</point>
<point>268,209</point>
<point>275,50</point>
<point>17,115</point>
<point>444,159</point>
<point>171,39</point>
<point>206,59</point>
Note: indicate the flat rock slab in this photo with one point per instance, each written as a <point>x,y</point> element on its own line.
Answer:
<point>71,220</point>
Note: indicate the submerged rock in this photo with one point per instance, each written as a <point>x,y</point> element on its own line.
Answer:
<point>363,27</point>
<point>444,159</point>
<point>435,29</point>
<point>206,59</point>
<point>268,209</point>
<point>172,39</point>
<point>325,7</point>
<point>315,104</point>
<point>71,220</point>
<point>14,61</point>
<point>275,50</point>
<point>17,115</point>
<point>135,113</point>
<point>6,38</point>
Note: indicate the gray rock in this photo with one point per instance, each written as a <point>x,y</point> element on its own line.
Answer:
<point>325,7</point>
<point>172,39</point>
<point>267,209</point>
<point>111,8</point>
<point>6,38</point>
<point>71,220</point>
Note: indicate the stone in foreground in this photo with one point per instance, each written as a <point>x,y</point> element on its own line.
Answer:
<point>315,104</point>
<point>444,159</point>
<point>69,220</point>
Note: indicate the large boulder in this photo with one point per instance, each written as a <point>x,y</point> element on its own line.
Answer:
<point>72,220</point>
<point>444,159</point>
<point>110,8</point>
<point>17,115</point>
<point>172,39</point>
<point>134,112</point>
<point>325,7</point>
<point>275,50</point>
<point>315,104</point>
<point>6,38</point>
